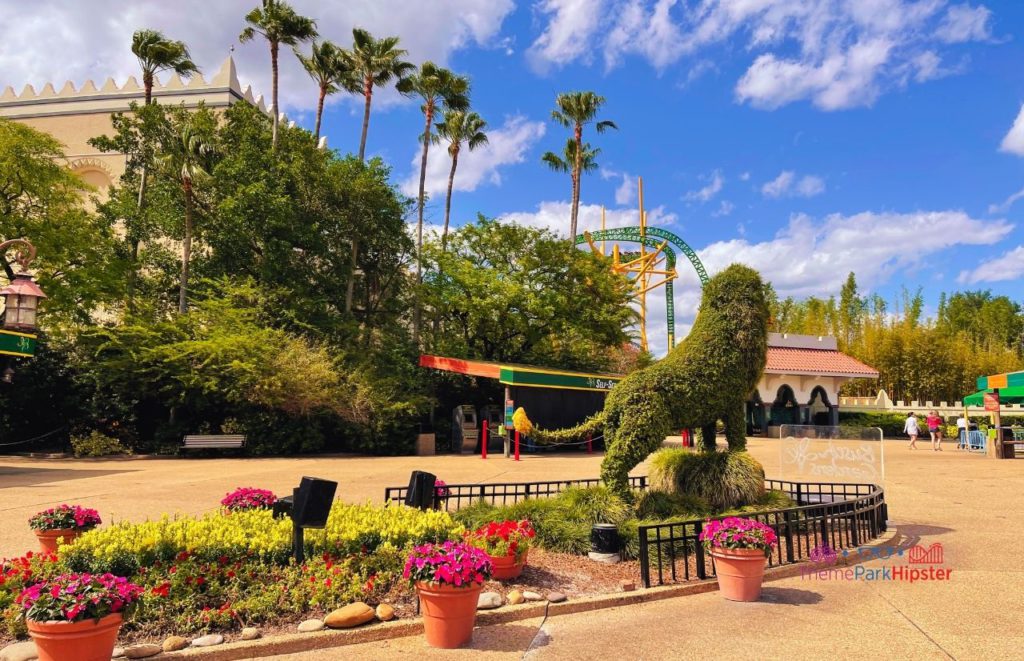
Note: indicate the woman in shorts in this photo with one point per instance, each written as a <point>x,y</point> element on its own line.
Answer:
<point>910,428</point>
<point>934,423</point>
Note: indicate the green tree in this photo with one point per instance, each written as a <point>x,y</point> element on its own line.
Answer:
<point>436,86</point>
<point>186,151</point>
<point>374,63</point>
<point>277,22</point>
<point>509,293</point>
<point>576,110</point>
<point>42,200</point>
<point>456,128</point>
<point>851,310</point>
<point>327,66</point>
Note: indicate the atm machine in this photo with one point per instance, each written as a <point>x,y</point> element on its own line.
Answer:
<point>465,429</point>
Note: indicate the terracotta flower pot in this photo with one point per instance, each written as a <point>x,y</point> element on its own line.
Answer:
<point>87,640</point>
<point>48,538</point>
<point>505,568</point>
<point>449,613</point>
<point>740,573</point>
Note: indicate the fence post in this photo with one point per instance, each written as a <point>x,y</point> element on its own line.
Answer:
<point>855,533</point>
<point>483,444</point>
<point>787,515</point>
<point>645,559</point>
<point>699,555</point>
<point>517,445</point>
<point>799,500</point>
<point>590,444</point>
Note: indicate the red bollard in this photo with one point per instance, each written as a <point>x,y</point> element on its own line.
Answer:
<point>517,445</point>
<point>483,443</point>
<point>590,444</point>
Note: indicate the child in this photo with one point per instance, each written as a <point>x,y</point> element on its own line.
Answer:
<point>910,428</point>
<point>934,423</point>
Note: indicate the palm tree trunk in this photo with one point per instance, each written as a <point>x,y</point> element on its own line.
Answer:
<point>320,110</point>
<point>186,252</point>
<point>578,135</point>
<point>273,92</point>
<point>417,312</point>
<point>147,81</point>
<point>368,94</point>
<point>448,200</point>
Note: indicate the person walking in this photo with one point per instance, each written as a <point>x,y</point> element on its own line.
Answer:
<point>934,423</point>
<point>961,432</point>
<point>910,428</point>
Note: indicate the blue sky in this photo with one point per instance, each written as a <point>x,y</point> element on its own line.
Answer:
<point>808,138</point>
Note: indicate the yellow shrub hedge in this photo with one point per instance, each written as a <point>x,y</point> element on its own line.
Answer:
<point>256,534</point>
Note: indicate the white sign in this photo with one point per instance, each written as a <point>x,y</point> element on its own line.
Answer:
<point>812,455</point>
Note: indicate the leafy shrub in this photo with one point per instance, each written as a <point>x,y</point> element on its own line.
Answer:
<point>97,444</point>
<point>656,504</point>
<point>597,504</point>
<point>771,500</point>
<point>15,575</point>
<point>722,479</point>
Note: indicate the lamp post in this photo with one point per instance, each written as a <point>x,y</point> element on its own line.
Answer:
<point>21,301</point>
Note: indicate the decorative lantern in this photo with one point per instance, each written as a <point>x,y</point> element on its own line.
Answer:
<point>22,300</point>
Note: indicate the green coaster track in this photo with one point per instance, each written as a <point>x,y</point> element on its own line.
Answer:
<point>654,237</point>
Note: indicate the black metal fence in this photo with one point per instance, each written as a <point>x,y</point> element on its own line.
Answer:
<point>836,515</point>
<point>502,493</point>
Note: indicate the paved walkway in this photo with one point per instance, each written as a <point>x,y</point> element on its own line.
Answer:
<point>969,503</point>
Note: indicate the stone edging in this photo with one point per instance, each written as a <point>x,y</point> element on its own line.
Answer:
<point>306,642</point>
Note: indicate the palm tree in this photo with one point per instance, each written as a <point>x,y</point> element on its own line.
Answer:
<point>186,150</point>
<point>326,65</point>
<point>574,161</point>
<point>374,63</point>
<point>157,53</point>
<point>458,127</point>
<point>278,23</point>
<point>577,109</point>
<point>435,85</point>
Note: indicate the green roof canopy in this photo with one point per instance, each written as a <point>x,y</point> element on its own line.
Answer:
<point>1011,395</point>
<point>1008,380</point>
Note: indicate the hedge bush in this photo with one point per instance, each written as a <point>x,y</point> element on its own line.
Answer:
<point>97,444</point>
<point>723,480</point>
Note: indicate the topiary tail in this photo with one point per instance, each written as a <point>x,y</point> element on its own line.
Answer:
<point>591,426</point>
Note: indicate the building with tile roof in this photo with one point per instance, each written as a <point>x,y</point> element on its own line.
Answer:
<point>801,383</point>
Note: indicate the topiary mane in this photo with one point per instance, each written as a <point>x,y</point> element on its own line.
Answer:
<point>706,378</point>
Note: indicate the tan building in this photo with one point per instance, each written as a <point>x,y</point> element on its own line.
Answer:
<point>73,116</point>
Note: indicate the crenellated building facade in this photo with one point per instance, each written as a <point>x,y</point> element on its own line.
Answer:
<point>74,115</point>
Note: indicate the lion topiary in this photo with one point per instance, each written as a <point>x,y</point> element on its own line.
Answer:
<point>706,378</point>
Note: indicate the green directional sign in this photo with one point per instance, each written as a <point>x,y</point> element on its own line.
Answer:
<point>536,378</point>
<point>17,344</point>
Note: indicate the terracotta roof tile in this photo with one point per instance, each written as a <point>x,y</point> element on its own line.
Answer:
<point>815,361</point>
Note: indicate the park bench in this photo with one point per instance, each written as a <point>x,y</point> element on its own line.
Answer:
<point>213,442</point>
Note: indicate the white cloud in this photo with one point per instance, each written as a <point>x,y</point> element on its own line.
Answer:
<point>507,145</point>
<point>724,209</point>
<point>809,186</point>
<point>779,185</point>
<point>1006,204</point>
<point>571,23</point>
<point>965,23</point>
<point>554,215</point>
<point>835,53</point>
<point>1013,141</point>
<point>714,186</point>
<point>787,184</point>
<point>625,192</point>
<point>745,176</point>
<point>1008,266</point>
<point>56,41</point>
<point>808,258</point>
